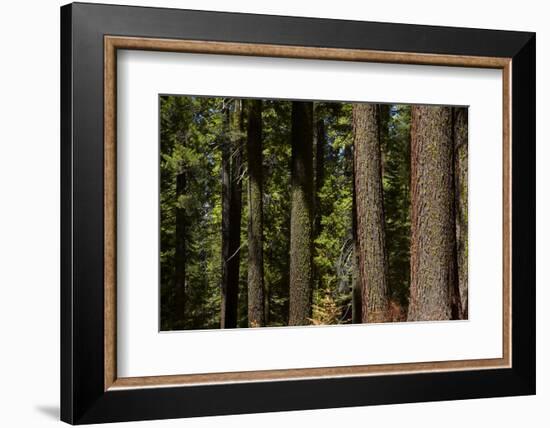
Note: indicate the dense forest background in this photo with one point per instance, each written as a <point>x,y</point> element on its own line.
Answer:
<point>277,213</point>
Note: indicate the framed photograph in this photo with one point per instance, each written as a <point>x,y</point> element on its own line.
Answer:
<point>265,213</point>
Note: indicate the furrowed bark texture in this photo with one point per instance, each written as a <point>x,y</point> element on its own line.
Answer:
<point>433,269</point>
<point>231,215</point>
<point>179,277</point>
<point>369,211</point>
<point>461,203</point>
<point>256,312</point>
<point>301,216</point>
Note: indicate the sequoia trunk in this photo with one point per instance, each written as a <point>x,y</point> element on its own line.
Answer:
<point>301,216</point>
<point>369,211</point>
<point>433,268</point>
<point>256,312</point>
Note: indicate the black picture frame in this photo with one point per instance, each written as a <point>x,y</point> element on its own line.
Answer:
<point>83,398</point>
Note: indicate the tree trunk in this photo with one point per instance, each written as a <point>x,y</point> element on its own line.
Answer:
<point>301,216</point>
<point>461,204</point>
<point>231,215</point>
<point>371,240</point>
<point>256,312</point>
<point>433,268</point>
<point>179,274</point>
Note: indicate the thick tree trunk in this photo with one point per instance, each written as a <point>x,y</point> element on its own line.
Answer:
<point>371,240</point>
<point>433,267</point>
<point>179,274</point>
<point>256,298</point>
<point>301,216</point>
<point>231,215</point>
<point>461,204</point>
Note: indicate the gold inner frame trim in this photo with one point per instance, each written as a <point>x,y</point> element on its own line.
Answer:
<point>113,43</point>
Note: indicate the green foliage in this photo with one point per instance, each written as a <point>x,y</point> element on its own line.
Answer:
<point>333,244</point>
<point>276,173</point>
<point>190,131</point>
<point>396,181</point>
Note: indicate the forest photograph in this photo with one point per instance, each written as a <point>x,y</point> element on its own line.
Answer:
<point>277,213</point>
